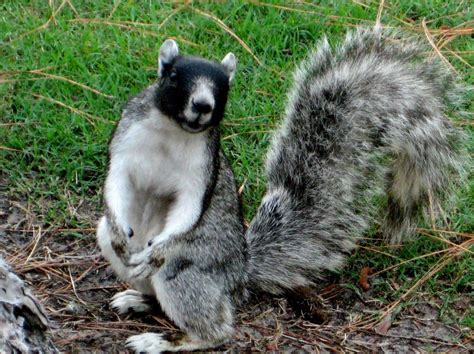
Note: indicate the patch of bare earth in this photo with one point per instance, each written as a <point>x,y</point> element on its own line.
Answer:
<point>65,270</point>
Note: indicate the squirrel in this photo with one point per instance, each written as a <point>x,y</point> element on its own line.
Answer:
<point>364,119</point>
<point>169,185</point>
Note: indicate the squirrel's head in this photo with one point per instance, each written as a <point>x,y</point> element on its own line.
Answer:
<point>193,91</point>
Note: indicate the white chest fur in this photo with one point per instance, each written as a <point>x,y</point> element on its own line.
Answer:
<point>161,158</point>
<point>157,178</point>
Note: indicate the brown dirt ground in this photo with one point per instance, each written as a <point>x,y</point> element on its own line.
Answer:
<point>74,283</point>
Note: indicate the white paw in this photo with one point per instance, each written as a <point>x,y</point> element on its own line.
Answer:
<point>141,257</point>
<point>129,300</point>
<point>141,271</point>
<point>140,264</point>
<point>148,343</point>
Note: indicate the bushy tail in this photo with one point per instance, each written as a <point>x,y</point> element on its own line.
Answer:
<point>364,119</point>
<point>421,179</point>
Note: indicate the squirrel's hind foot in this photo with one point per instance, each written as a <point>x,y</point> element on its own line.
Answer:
<point>161,342</point>
<point>130,301</point>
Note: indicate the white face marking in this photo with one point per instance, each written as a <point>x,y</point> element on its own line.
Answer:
<point>201,95</point>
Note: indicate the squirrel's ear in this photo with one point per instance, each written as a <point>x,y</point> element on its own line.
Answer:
<point>230,64</point>
<point>168,51</point>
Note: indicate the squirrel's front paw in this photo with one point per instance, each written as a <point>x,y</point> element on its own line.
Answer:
<point>120,242</point>
<point>120,246</point>
<point>144,263</point>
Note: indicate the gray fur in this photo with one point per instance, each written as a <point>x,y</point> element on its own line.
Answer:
<point>363,120</point>
<point>203,275</point>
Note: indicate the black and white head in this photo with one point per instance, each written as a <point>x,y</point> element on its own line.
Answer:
<point>193,91</point>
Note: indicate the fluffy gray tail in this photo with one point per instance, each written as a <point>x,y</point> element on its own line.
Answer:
<point>365,119</point>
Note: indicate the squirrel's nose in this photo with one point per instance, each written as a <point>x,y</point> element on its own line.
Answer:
<point>201,106</point>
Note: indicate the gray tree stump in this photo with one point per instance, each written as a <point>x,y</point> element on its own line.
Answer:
<point>23,322</point>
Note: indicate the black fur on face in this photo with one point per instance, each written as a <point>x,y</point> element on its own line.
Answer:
<point>181,82</point>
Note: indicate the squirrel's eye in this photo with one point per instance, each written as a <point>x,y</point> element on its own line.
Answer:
<point>173,76</point>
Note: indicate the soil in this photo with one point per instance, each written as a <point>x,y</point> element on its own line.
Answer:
<point>66,272</point>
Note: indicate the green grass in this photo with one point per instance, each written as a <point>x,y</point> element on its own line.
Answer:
<point>54,160</point>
